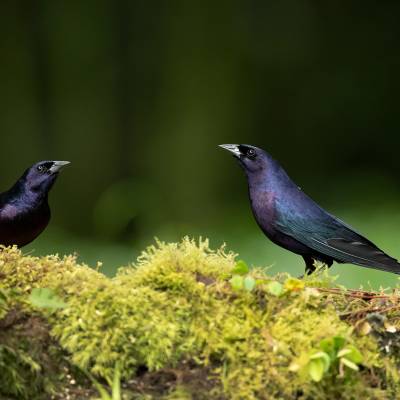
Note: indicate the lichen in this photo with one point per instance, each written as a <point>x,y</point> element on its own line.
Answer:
<point>178,328</point>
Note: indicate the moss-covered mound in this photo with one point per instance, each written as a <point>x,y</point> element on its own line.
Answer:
<point>186,322</point>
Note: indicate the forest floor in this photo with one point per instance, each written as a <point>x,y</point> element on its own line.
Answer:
<point>187,322</point>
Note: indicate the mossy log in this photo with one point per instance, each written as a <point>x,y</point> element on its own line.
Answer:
<point>186,322</point>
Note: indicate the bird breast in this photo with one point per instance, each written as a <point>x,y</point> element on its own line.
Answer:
<point>21,226</point>
<point>9,211</point>
<point>263,206</point>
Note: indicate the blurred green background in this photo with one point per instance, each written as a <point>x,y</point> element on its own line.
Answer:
<point>139,94</point>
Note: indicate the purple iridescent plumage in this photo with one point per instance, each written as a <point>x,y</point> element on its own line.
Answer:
<point>24,209</point>
<point>292,220</point>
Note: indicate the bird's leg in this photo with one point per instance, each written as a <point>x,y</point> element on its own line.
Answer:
<point>310,267</point>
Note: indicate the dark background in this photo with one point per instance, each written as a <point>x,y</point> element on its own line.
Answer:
<point>138,94</point>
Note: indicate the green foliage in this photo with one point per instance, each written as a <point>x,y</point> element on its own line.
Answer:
<point>274,288</point>
<point>32,364</point>
<point>3,303</point>
<point>16,365</point>
<point>333,353</point>
<point>115,386</point>
<point>45,298</point>
<point>240,268</point>
<point>240,280</point>
<point>198,319</point>
<point>26,369</point>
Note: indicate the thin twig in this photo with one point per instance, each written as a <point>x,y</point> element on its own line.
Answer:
<point>358,294</point>
<point>370,310</point>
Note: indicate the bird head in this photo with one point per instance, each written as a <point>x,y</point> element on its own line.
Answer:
<point>41,176</point>
<point>251,158</point>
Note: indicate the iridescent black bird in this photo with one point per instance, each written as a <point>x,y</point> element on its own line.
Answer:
<point>292,220</point>
<point>24,209</point>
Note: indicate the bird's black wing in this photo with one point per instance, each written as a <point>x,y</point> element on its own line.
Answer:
<point>328,235</point>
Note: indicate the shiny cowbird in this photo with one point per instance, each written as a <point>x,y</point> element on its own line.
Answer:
<point>292,220</point>
<point>24,209</point>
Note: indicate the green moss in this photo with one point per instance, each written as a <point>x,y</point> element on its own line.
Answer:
<point>174,318</point>
<point>30,360</point>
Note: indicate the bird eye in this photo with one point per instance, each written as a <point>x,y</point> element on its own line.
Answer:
<point>251,153</point>
<point>41,168</point>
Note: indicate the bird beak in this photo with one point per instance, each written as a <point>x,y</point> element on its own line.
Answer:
<point>233,148</point>
<point>58,166</point>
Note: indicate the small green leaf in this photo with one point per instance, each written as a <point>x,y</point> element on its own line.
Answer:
<point>316,369</point>
<point>46,298</point>
<point>338,342</point>
<point>349,364</point>
<point>321,355</point>
<point>275,288</point>
<point>241,268</point>
<point>332,345</point>
<point>326,345</point>
<point>355,355</point>
<point>343,352</point>
<point>352,354</point>
<point>237,282</point>
<point>249,283</point>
